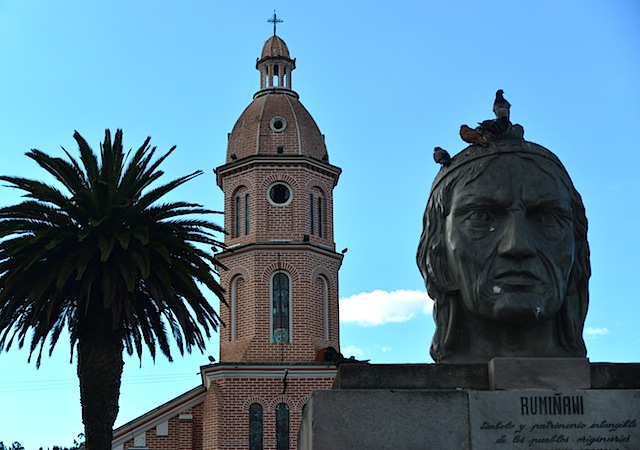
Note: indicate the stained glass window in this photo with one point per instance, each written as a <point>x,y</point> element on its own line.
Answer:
<point>280,308</point>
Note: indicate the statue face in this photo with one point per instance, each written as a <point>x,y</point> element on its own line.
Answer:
<point>509,242</point>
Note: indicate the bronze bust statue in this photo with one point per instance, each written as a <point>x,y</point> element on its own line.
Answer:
<point>504,251</point>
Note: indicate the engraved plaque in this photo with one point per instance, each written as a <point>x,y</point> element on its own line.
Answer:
<point>545,419</point>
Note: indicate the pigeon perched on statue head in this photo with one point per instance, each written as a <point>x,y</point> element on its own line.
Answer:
<point>494,127</point>
<point>471,136</point>
<point>501,106</point>
<point>441,156</point>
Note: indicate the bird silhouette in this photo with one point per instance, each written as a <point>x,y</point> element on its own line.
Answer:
<point>212,359</point>
<point>493,127</point>
<point>471,136</point>
<point>501,106</point>
<point>441,156</point>
<point>330,356</point>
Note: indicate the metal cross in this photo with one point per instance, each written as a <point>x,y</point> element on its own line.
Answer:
<point>274,20</point>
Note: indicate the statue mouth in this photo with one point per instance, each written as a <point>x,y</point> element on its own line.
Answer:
<point>516,279</point>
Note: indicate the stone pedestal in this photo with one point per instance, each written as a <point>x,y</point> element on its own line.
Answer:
<point>510,403</point>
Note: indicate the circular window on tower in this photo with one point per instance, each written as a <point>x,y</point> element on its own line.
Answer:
<point>278,124</point>
<point>279,194</point>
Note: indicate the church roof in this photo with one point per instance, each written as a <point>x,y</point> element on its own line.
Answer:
<point>275,123</point>
<point>162,413</point>
<point>275,47</point>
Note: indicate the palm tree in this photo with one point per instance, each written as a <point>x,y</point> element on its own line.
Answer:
<point>105,260</point>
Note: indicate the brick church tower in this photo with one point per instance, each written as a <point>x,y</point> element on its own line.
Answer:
<point>281,282</point>
<point>282,277</point>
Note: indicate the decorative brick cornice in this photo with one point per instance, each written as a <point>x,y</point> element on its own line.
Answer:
<point>223,371</point>
<point>279,245</point>
<point>285,161</point>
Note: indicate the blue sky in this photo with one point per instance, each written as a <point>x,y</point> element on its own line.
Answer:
<point>386,82</point>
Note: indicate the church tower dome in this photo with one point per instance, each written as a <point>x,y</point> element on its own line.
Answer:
<point>282,282</point>
<point>275,123</point>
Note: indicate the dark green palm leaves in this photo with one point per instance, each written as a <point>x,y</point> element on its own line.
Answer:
<point>105,246</point>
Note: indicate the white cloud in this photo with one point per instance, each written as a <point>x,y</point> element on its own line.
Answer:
<point>380,307</point>
<point>592,332</point>
<point>352,350</point>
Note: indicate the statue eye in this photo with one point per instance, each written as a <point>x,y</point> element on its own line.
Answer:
<point>552,224</point>
<point>545,218</point>
<point>481,217</point>
<point>480,222</point>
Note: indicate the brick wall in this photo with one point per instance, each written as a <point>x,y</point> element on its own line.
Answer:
<point>184,432</point>
<point>232,396</point>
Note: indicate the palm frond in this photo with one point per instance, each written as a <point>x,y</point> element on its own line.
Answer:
<point>88,158</point>
<point>63,171</point>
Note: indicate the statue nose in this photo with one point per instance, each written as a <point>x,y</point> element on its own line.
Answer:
<point>516,240</point>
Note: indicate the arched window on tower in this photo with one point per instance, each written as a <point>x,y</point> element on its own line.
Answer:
<point>280,308</point>
<point>276,75</point>
<point>282,426</point>
<point>255,426</point>
<point>320,219</point>
<point>246,214</point>
<point>236,227</point>
<point>236,292</point>
<point>241,212</point>
<point>325,306</point>
<point>316,213</point>
<point>312,216</point>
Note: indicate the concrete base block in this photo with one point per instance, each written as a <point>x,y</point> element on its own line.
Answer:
<point>385,419</point>
<point>539,373</point>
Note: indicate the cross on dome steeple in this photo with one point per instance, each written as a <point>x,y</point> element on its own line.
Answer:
<point>274,20</point>
<point>275,63</point>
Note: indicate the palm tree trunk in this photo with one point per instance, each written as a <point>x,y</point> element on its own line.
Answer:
<point>100,365</point>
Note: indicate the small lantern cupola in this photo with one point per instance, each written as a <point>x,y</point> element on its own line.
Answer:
<point>275,64</point>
